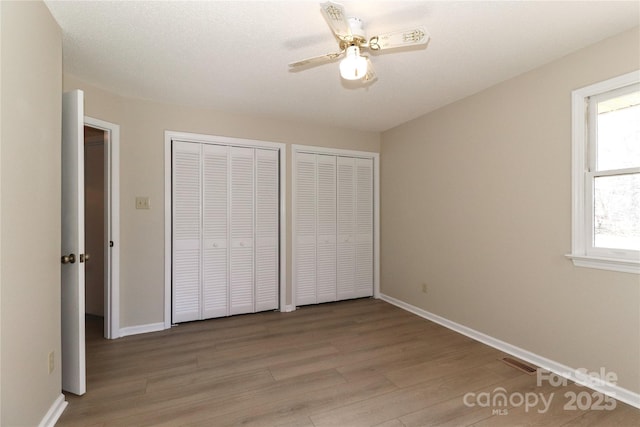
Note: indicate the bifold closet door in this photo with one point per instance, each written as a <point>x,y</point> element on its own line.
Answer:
<point>241,269</point>
<point>326,222</point>
<point>334,228</point>
<point>305,231</point>
<point>186,214</point>
<point>215,276</point>
<point>364,228</point>
<point>267,231</point>
<point>346,254</point>
<point>225,217</point>
<point>355,228</point>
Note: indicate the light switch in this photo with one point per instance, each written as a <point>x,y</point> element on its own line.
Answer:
<point>142,203</point>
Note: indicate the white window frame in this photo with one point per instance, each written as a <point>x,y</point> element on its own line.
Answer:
<point>583,254</point>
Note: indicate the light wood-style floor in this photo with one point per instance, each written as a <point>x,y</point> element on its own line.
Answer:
<point>352,363</point>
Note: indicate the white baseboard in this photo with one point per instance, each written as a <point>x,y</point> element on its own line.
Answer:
<point>53,414</point>
<point>142,329</point>
<point>288,308</point>
<point>572,374</point>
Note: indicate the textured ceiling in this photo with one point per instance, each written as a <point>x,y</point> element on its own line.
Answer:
<point>233,55</point>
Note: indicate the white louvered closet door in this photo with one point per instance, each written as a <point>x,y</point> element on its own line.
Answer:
<point>326,231</point>
<point>241,266</point>
<point>226,230</point>
<point>215,293</point>
<point>267,230</point>
<point>346,254</point>
<point>364,228</point>
<point>334,227</point>
<point>305,229</point>
<point>186,213</point>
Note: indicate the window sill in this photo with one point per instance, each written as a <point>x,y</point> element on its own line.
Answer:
<point>620,265</point>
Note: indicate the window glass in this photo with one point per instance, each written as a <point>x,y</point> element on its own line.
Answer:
<point>618,140</point>
<point>616,211</point>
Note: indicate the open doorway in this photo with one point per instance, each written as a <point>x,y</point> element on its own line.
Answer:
<point>95,237</point>
<point>101,228</point>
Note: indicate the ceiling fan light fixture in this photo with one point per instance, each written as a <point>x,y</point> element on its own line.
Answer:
<point>351,38</point>
<point>353,66</point>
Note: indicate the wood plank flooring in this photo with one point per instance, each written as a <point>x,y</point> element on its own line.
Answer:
<point>353,363</point>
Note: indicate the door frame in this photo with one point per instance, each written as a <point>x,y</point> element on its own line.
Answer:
<point>295,149</point>
<point>112,225</point>
<point>169,136</point>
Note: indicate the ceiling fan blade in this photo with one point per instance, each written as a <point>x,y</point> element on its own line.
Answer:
<point>371,74</point>
<point>316,60</point>
<point>334,14</point>
<point>412,37</point>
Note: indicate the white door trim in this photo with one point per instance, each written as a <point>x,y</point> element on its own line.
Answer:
<point>237,142</point>
<point>112,225</point>
<point>295,149</point>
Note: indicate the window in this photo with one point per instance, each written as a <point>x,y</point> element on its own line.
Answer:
<point>606,175</point>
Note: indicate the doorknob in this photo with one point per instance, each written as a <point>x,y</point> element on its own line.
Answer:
<point>84,257</point>
<point>66,259</point>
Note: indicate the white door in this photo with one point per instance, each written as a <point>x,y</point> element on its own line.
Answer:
<point>215,228</point>
<point>267,230</point>
<point>187,207</point>
<point>72,270</point>
<point>364,228</point>
<point>326,223</point>
<point>225,230</point>
<point>305,229</point>
<point>241,268</point>
<point>346,228</point>
<point>334,222</point>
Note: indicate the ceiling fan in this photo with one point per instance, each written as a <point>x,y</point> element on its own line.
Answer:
<point>352,41</point>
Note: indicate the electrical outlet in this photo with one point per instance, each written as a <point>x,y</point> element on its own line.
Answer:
<point>142,203</point>
<point>51,361</point>
<point>424,288</point>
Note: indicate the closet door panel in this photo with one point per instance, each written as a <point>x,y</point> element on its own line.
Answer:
<point>326,233</point>
<point>346,228</point>
<point>186,233</point>
<point>267,230</point>
<point>364,228</point>
<point>241,267</point>
<point>215,277</point>
<point>305,229</point>
<point>334,227</point>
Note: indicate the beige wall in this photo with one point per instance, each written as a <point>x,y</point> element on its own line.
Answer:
<point>476,202</point>
<point>142,126</point>
<point>30,201</point>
